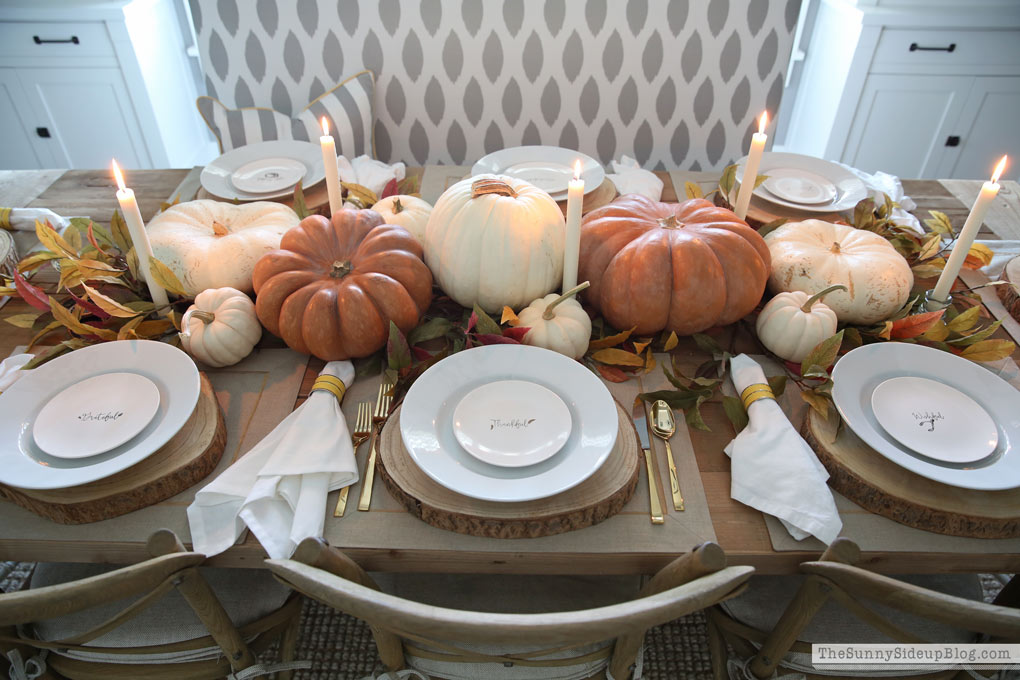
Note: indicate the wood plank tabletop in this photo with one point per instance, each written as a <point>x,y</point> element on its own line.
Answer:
<point>741,530</point>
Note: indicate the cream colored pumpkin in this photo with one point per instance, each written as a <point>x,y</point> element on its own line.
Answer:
<point>495,241</point>
<point>792,324</point>
<point>812,255</point>
<point>209,244</point>
<point>410,212</point>
<point>221,328</point>
<point>558,322</point>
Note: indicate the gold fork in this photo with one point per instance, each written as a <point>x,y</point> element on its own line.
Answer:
<point>382,408</point>
<point>362,430</point>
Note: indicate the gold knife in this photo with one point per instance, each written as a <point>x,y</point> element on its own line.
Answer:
<point>654,502</point>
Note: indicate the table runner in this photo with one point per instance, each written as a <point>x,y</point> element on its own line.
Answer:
<point>438,178</point>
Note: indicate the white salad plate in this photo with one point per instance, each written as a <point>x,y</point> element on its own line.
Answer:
<point>550,168</point>
<point>23,464</point>
<point>216,177</point>
<point>850,190</point>
<point>426,423</point>
<point>934,419</point>
<point>95,415</point>
<point>799,186</point>
<point>511,423</point>
<point>267,175</point>
<point>862,370</point>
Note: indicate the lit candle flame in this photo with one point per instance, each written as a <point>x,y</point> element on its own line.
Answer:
<point>325,127</point>
<point>117,174</point>
<point>998,169</point>
<point>763,122</point>
<point>577,169</point>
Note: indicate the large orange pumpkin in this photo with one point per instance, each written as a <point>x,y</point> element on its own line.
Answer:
<point>334,286</point>
<point>681,267</point>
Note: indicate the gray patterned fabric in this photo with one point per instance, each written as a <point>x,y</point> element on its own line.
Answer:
<point>675,84</point>
<point>348,107</point>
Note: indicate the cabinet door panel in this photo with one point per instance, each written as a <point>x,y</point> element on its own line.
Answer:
<point>16,152</point>
<point>901,123</point>
<point>987,129</point>
<point>91,114</point>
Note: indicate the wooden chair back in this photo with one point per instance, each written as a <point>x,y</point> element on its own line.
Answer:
<point>690,583</point>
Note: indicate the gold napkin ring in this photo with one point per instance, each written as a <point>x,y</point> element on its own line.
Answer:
<point>5,219</point>
<point>754,392</point>
<point>331,384</point>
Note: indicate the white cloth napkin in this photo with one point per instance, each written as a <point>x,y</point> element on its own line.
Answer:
<point>369,173</point>
<point>884,183</point>
<point>1002,252</point>
<point>23,219</point>
<point>774,470</point>
<point>629,178</point>
<point>279,487</point>
<point>10,369</point>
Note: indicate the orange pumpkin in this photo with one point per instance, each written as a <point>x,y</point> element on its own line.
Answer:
<point>667,266</point>
<point>334,286</point>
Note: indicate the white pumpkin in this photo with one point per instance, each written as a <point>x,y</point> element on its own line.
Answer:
<point>221,328</point>
<point>558,322</point>
<point>209,244</point>
<point>495,241</point>
<point>812,255</point>
<point>792,324</point>
<point>410,212</point>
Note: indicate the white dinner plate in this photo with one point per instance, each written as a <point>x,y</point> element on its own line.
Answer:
<point>849,189</point>
<point>861,370</point>
<point>95,415</point>
<point>549,168</point>
<point>216,177</point>
<point>25,465</point>
<point>266,175</point>
<point>934,419</point>
<point>426,423</point>
<point>799,186</point>
<point>511,423</point>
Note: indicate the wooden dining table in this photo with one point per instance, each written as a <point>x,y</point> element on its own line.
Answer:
<point>739,529</point>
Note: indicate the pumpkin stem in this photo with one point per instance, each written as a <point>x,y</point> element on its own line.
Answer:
<point>806,307</point>
<point>671,222</point>
<point>206,318</point>
<point>398,207</point>
<point>340,269</point>
<point>219,229</point>
<point>835,248</point>
<point>548,314</point>
<point>490,185</point>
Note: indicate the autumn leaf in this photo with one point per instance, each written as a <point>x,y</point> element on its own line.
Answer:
<point>53,241</point>
<point>939,223</point>
<point>978,256</point>
<point>639,347</point>
<point>649,361</point>
<point>127,331</point>
<point>823,355</point>
<point>612,373</point>
<point>929,269</point>
<point>671,341</point>
<point>300,207</point>
<point>484,323</point>
<point>22,320</point>
<point>989,350</point>
<point>359,194</point>
<point>931,247</point>
<point>36,260</point>
<point>964,321</point>
<point>50,327</point>
<point>727,180</point>
<point>430,330</point>
<point>914,325</point>
<point>398,354</point>
<point>516,332</point>
<point>735,412</point>
<point>977,336</point>
<point>886,330</point>
<point>610,341</point>
<point>818,402</point>
<point>390,189</point>
<point>778,384</point>
<point>495,339</point>
<point>154,328</point>
<point>692,190</point>
<point>73,324</point>
<point>509,316</point>
<point>618,357</point>
<point>108,304</point>
<point>164,277</point>
<point>769,227</point>
<point>33,295</point>
<point>936,333</point>
<point>120,233</point>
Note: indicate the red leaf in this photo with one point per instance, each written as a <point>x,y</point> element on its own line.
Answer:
<point>493,339</point>
<point>90,307</point>
<point>516,333</point>
<point>612,373</point>
<point>390,189</point>
<point>915,324</point>
<point>420,354</point>
<point>471,321</point>
<point>92,238</point>
<point>33,295</point>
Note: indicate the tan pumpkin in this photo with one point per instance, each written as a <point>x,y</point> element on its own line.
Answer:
<point>334,286</point>
<point>665,266</point>
<point>210,244</point>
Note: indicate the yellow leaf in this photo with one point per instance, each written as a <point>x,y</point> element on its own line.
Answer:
<point>964,321</point>
<point>96,264</point>
<point>937,333</point>
<point>22,320</point>
<point>36,260</point>
<point>671,341</point>
<point>69,275</point>
<point>73,238</point>
<point>649,361</point>
<point>610,341</point>
<point>71,322</point>
<point>53,241</point>
<point>8,291</point>
<point>980,252</point>
<point>929,269</point>
<point>509,316</point>
<point>692,190</point>
<point>364,195</point>
<point>989,350</point>
<point>931,247</point>
<point>121,234</point>
<point>639,347</point>
<point>164,277</point>
<point>50,327</point>
<point>127,331</point>
<point>886,330</point>
<point>819,403</point>
<point>618,357</point>
<point>108,304</point>
<point>152,329</point>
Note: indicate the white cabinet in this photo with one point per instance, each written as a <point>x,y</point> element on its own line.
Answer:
<point>83,82</point>
<point>913,90</point>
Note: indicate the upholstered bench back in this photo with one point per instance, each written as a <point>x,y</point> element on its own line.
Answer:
<point>676,84</point>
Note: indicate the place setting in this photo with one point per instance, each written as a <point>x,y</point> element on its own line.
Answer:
<point>263,171</point>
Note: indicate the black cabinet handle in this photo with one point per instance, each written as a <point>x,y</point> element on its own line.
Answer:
<point>40,41</point>
<point>953,140</point>
<point>42,132</point>
<point>914,47</point>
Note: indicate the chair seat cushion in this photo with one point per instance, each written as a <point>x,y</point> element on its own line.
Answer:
<point>247,595</point>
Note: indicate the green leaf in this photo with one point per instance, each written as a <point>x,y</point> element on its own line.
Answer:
<point>964,321</point>
<point>727,180</point>
<point>852,337</point>
<point>939,223</point>
<point>989,350</point>
<point>706,343</point>
<point>676,400</point>
<point>823,355</point>
<point>121,235</point>
<point>735,412</point>
<point>300,207</point>
<point>430,330</point>
<point>164,277</point>
<point>769,227</point>
<point>693,417</point>
<point>398,353</point>
<point>980,335</point>
<point>692,190</point>
<point>931,247</point>
<point>778,384</point>
<point>485,323</point>
<point>759,180</point>
<point>864,214</point>
<point>366,366</point>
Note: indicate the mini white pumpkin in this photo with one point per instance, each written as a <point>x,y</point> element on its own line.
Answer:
<point>495,241</point>
<point>410,212</point>
<point>812,255</point>
<point>221,328</point>
<point>558,322</point>
<point>792,324</point>
<point>209,244</point>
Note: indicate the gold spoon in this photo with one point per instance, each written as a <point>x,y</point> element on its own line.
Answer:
<point>663,427</point>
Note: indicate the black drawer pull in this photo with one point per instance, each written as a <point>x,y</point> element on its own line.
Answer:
<point>40,41</point>
<point>914,47</point>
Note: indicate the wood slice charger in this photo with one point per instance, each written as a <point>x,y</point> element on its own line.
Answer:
<point>1010,295</point>
<point>877,484</point>
<point>597,498</point>
<point>189,456</point>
